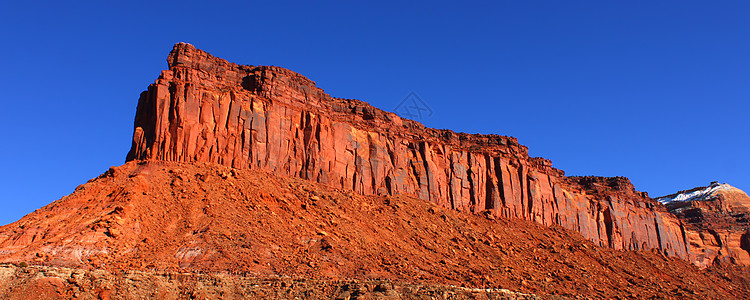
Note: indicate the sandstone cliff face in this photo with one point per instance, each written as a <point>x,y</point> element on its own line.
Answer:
<point>205,109</point>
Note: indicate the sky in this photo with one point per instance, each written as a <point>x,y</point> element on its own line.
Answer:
<point>657,91</point>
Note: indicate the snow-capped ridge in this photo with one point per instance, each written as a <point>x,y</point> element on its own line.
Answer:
<point>696,194</point>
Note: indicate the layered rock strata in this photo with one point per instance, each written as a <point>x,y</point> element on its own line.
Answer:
<point>717,219</point>
<point>205,109</point>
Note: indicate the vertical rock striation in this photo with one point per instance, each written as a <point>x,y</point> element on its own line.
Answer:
<point>205,109</point>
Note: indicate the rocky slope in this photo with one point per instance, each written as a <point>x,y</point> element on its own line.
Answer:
<point>136,230</point>
<point>205,109</point>
<point>716,218</point>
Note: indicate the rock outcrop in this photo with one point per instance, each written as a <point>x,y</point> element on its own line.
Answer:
<point>205,109</point>
<point>717,219</point>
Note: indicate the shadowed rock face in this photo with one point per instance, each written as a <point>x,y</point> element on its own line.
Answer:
<point>205,109</point>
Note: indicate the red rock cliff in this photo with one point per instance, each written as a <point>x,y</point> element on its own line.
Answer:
<point>205,109</point>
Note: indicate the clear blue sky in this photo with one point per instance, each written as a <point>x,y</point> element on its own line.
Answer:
<point>658,91</point>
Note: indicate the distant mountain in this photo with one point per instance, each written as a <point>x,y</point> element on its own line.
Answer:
<point>717,219</point>
<point>731,198</point>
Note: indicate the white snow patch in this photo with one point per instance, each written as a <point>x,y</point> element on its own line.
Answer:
<point>696,195</point>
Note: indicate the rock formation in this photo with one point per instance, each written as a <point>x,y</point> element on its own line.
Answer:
<point>716,218</point>
<point>205,109</point>
<point>251,182</point>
